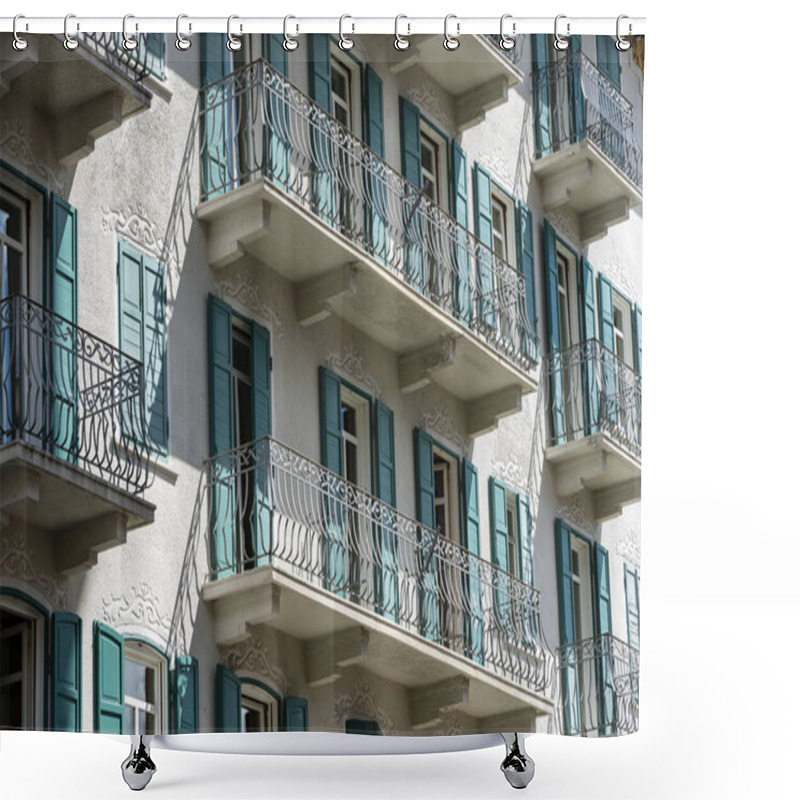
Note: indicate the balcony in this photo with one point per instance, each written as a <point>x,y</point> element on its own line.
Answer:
<point>71,427</point>
<point>599,687</point>
<point>81,94</point>
<point>287,185</point>
<point>594,407</point>
<point>294,546</point>
<point>587,156</point>
<point>477,75</point>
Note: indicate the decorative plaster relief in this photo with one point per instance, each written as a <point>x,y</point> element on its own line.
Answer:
<point>241,287</point>
<point>134,224</point>
<point>499,169</point>
<point>360,703</point>
<point>17,147</point>
<point>18,561</point>
<point>511,473</point>
<point>573,511</point>
<point>139,606</point>
<point>428,96</point>
<point>451,724</point>
<point>438,420</point>
<point>351,362</point>
<point>629,548</point>
<point>619,277</point>
<point>253,655</point>
<point>562,221</point>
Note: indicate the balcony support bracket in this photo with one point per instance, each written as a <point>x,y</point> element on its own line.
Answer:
<point>483,414</point>
<point>428,703</point>
<point>471,106</point>
<point>77,131</point>
<point>415,369</point>
<point>16,63</point>
<point>608,503</point>
<point>595,223</point>
<point>76,548</point>
<point>557,189</point>
<point>313,298</point>
<point>236,615</point>
<point>327,656</point>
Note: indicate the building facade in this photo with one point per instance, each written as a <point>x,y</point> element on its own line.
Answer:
<point>321,386</point>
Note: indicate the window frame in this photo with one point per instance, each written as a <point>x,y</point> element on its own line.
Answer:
<point>352,66</point>
<point>620,303</point>
<point>361,402</point>
<point>146,654</point>
<point>453,492</point>
<point>427,130</point>
<point>258,692</point>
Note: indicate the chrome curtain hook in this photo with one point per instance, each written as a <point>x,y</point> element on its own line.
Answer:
<point>400,42</point>
<point>623,42</point>
<point>19,43</point>
<point>289,44</point>
<point>70,42</point>
<point>345,42</point>
<point>129,42</point>
<point>234,44</point>
<point>451,42</point>
<point>181,42</point>
<point>561,42</point>
<point>507,42</point>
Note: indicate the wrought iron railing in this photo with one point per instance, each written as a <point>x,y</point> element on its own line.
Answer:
<point>71,394</point>
<point>147,58</point>
<point>590,391</point>
<point>270,505</point>
<point>255,124</point>
<point>514,55</point>
<point>576,101</point>
<point>598,687</point>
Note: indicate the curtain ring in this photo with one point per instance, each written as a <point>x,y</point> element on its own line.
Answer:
<point>345,42</point>
<point>560,42</point>
<point>129,42</point>
<point>289,44</point>
<point>70,42</point>
<point>451,42</point>
<point>400,42</point>
<point>19,43</point>
<point>623,42</point>
<point>181,42</point>
<point>507,42</point>
<point>234,44</point>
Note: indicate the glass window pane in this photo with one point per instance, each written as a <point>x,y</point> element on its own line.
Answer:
<point>130,720</point>
<point>135,678</point>
<point>10,220</point>
<point>348,419</point>
<point>150,681</point>
<point>351,462</point>
<point>438,479</point>
<point>150,724</point>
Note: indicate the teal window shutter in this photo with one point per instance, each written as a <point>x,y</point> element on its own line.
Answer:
<point>558,364</point>
<point>156,53</point>
<point>277,55</point>
<point>608,58</point>
<point>577,100</point>
<point>221,420</point>
<point>330,409</point>
<point>482,186</point>
<point>570,687</point>
<point>543,120</point>
<point>387,588</point>
<point>373,104</point>
<point>460,184</point>
<point>143,336</point>
<point>636,318</point>
<point>589,367</point>
<point>296,711</point>
<point>332,455</point>
<point>366,727</point>
<point>228,701</point>
<point>632,605</point>
<point>185,696</point>
<point>63,291</point>
<point>525,539</point>
<point>426,503</point>
<point>109,680</point>
<point>262,426</point>
<point>472,540</point>
<point>526,267</point>
<point>413,217</point>
<point>605,293</point>
<point>66,671</point>
<point>217,137</point>
<point>410,143</point>
<point>499,523</point>
<point>606,323</point>
<point>605,667</point>
<point>319,65</point>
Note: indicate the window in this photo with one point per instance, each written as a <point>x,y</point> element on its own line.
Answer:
<point>433,149</point>
<point>145,689</point>
<point>632,605</point>
<point>581,587</point>
<point>13,243</point>
<point>143,336</point>
<point>445,485</point>
<point>608,58</point>
<point>623,339</point>
<point>259,709</point>
<point>355,435</point>
<point>512,524</point>
<point>21,666</point>
<point>499,228</point>
<point>341,93</point>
